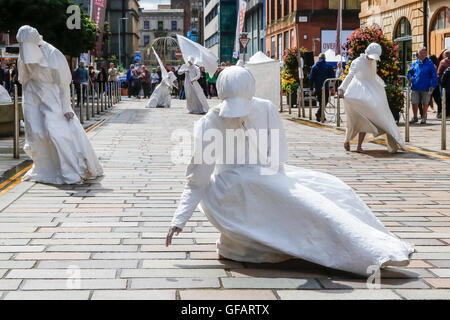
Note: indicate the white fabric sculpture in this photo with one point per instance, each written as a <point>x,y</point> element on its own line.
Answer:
<point>202,56</point>
<point>161,95</point>
<point>195,98</point>
<point>267,211</point>
<point>5,98</point>
<point>55,139</point>
<point>366,104</point>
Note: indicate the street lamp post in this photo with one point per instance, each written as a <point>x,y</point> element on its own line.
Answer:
<point>120,53</point>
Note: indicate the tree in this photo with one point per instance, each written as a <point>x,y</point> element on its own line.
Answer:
<point>49,17</point>
<point>388,67</point>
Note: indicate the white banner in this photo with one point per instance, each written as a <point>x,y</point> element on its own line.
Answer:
<point>239,26</point>
<point>328,39</point>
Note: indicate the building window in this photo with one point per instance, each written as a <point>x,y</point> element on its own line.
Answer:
<point>346,4</point>
<point>160,25</point>
<point>272,47</point>
<point>212,14</point>
<point>174,25</point>
<point>286,40</point>
<point>442,20</point>
<point>403,37</point>
<point>146,25</point>
<point>146,40</point>
<point>280,47</point>
<point>213,40</point>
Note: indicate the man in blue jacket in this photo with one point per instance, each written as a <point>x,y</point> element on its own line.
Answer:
<point>319,73</point>
<point>423,77</point>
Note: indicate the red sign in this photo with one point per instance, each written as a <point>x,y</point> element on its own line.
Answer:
<point>98,12</point>
<point>178,54</point>
<point>244,42</point>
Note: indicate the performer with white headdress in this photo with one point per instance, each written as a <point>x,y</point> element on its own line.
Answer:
<point>55,139</point>
<point>267,211</point>
<point>195,55</point>
<point>366,104</point>
<point>161,95</point>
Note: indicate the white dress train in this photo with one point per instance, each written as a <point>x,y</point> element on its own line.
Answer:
<point>366,105</point>
<point>271,215</point>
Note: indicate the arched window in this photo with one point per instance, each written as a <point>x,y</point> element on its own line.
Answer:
<point>402,36</point>
<point>442,20</point>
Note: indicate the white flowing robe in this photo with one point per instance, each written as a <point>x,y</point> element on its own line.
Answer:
<point>195,98</point>
<point>294,212</point>
<point>366,104</point>
<point>161,95</point>
<point>60,149</point>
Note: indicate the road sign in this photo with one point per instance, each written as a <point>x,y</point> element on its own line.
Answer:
<point>178,54</point>
<point>137,57</point>
<point>244,42</point>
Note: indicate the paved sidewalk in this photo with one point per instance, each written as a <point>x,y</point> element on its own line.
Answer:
<point>110,233</point>
<point>426,137</point>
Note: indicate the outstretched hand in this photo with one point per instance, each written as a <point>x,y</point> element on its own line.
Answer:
<point>341,94</point>
<point>69,115</point>
<point>172,231</point>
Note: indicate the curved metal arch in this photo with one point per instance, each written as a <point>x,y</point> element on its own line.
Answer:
<point>165,47</point>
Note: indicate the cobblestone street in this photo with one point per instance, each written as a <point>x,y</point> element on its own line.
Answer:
<point>110,233</point>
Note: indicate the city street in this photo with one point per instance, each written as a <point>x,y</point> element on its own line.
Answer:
<point>105,239</point>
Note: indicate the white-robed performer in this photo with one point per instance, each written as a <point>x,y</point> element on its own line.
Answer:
<point>268,211</point>
<point>365,102</point>
<point>195,98</point>
<point>55,139</point>
<point>161,95</point>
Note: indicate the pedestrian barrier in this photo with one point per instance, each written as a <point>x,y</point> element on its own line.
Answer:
<point>444,120</point>
<point>325,103</point>
<point>81,103</point>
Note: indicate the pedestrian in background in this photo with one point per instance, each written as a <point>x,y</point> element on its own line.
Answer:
<point>154,79</point>
<point>80,79</point>
<point>112,73</point>
<point>202,81</point>
<point>443,65</point>
<point>129,73</point>
<point>319,73</point>
<point>436,95</point>
<point>211,82</point>
<point>445,83</point>
<point>423,77</point>
<point>147,82</point>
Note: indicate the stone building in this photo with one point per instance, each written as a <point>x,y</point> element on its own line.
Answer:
<point>162,22</point>
<point>316,21</point>
<point>403,21</point>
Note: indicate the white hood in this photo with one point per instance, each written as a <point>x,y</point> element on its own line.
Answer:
<point>29,41</point>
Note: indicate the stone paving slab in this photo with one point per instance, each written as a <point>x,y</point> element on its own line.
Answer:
<point>113,229</point>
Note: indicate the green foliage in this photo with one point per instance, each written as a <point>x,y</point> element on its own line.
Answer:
<point>289,75</point>
<point>49,17</point>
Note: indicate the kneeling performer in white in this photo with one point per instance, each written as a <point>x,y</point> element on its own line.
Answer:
<point>267,211</point>
<point>366,104</point>
<point>161,95</point>
<point>55,139</point>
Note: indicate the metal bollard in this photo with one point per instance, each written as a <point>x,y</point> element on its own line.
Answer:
<point>338,111</point>
<point>81,104</point>
<point>289,101</point>
<point>444,120</point>
<point>92,100</point>
<point>408,100</point>
<point>310,105</point>
<point>119,88</point>
<point>73,97</point>
<point>322,107</point>
<point>98,97</point>
<point>301,98</point>
<point>16,124</point>
<point>88,116</point>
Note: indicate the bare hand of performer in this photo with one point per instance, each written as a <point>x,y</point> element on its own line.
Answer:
<point>341,94</point>
<point>172,231</point>
<point>69,115</point>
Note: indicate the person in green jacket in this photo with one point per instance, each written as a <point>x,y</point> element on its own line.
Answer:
<point>211,81</point>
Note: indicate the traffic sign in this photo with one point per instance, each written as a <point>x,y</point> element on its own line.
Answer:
<point>137,57</point>
<point>244,42</point>
<point>178,54</point>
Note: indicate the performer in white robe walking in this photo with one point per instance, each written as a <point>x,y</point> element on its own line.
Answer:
<point>161,95</point>
<point>55,139</point>
<point>365,102</point>
<point>195,98</point>
<point>267,211</point>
